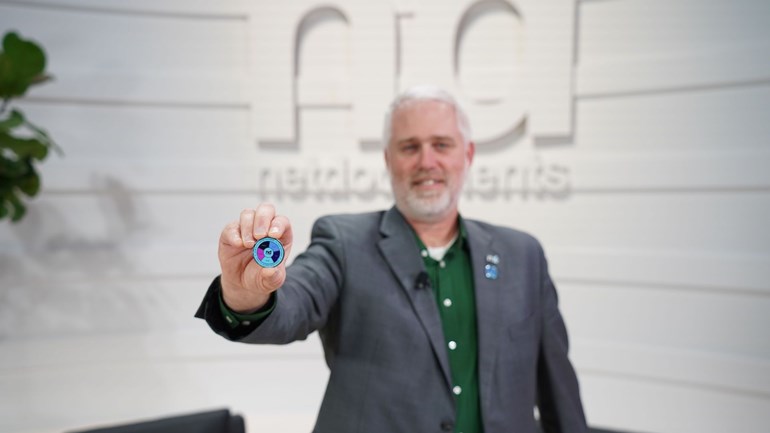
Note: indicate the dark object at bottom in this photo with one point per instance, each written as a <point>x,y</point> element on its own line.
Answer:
<point>590,430</point>
<point>597,430</point>
<point>215,421</point>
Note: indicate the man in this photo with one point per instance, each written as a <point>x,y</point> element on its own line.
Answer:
<point>429,322</point>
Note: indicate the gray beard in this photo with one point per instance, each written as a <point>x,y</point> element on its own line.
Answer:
<point>427,208</point>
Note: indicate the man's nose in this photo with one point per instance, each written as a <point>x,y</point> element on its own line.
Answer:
<point>427,156</point>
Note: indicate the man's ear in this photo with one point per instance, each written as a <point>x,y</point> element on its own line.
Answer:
<point>470,152</point>
<point>386,155</point>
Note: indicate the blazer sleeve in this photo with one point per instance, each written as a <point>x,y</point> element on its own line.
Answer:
<point>559,403</point>
<point>304,302</point>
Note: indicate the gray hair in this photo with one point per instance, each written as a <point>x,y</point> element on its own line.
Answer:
<point>426,93</point>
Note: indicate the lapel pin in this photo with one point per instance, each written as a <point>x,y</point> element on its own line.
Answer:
<point>493,258</point>
<point>268,252</point>
<point>490,271</point>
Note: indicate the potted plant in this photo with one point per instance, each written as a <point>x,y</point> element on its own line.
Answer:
<point>22,144</point>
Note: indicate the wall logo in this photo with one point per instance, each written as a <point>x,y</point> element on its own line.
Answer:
<point>509,63</point>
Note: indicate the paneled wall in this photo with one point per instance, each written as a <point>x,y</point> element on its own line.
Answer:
<point>652,208</point>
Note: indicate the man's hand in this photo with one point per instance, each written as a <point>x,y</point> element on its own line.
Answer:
<point>246,286</point>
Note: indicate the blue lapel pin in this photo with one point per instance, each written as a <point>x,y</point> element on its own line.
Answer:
<point>490,269</point>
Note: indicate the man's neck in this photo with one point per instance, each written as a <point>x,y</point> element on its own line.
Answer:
<point>436,233</point>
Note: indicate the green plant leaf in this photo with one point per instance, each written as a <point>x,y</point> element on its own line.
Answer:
<point>15,119</point>
<point>17,207</point>
<point>11,169</point>
<point>29,184</point>
<point>11,205</point>
<point>42,136</point>
<point>24,147</point>
<point>3,207</point>
<point>40,79</point>
<point>22,62</point>
<point>27,55</point>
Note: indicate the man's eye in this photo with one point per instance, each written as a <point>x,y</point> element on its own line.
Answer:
<point>409,148</point>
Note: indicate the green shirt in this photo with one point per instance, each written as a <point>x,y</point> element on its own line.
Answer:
<point>452,281</point>
<point>237,319</point>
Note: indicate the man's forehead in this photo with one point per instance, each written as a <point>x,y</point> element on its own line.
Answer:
<point>432,137</point>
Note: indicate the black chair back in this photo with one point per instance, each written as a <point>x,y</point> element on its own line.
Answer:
<point>215,421</point>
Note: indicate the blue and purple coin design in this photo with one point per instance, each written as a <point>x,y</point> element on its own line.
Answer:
<point>268,252</point>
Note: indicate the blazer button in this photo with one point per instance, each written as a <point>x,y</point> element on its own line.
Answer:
<point>447,425</point>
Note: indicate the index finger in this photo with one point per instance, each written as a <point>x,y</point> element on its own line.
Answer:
<point>280,228</point>
<point>263,217</point>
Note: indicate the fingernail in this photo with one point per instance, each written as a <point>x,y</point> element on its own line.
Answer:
<point>274,230</point>
<point>259,231</point>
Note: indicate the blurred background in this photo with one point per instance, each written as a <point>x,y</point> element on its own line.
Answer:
<point>632,137</point>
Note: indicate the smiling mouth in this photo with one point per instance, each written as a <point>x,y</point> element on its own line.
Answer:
<point>427,182</point>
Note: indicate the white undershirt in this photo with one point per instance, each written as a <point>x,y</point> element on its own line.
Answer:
<point>437,253</point>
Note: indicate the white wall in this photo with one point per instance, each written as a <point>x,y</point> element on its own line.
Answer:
<point>652,211</point>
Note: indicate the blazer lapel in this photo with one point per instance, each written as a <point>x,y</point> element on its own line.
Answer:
<point>399,250</point>
<point>488,305</point>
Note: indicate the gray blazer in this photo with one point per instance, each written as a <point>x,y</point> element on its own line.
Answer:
<point>356,284</point>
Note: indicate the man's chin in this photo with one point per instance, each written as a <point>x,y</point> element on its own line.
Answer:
<point>425,208</point>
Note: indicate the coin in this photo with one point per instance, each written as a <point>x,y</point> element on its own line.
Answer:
<point>268,252</point>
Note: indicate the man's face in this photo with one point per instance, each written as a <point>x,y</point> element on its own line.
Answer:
<point>427,159</point>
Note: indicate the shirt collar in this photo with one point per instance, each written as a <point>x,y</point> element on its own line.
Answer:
<point>460,243</point>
